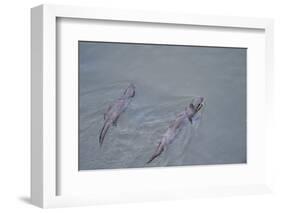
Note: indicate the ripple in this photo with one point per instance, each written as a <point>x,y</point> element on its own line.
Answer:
<point>131,143</point>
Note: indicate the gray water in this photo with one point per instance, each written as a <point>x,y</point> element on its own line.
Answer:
<point>166,80</point>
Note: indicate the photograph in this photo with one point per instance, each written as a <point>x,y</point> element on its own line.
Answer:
<point>147,105</point>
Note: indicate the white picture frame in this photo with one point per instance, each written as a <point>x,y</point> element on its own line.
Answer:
<point>45,155</point>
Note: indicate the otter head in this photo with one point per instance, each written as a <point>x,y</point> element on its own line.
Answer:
<point>130,91</point>
<point>197,104</point>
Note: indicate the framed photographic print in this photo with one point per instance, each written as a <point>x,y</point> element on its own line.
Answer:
<point>133,106</point>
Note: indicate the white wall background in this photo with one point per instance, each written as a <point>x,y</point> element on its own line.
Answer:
<point>15,99</point>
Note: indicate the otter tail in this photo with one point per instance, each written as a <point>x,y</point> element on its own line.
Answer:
<point>159,150</point>
<point>103,132</point>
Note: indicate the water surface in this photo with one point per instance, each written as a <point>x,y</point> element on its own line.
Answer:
<point>166,80</point>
